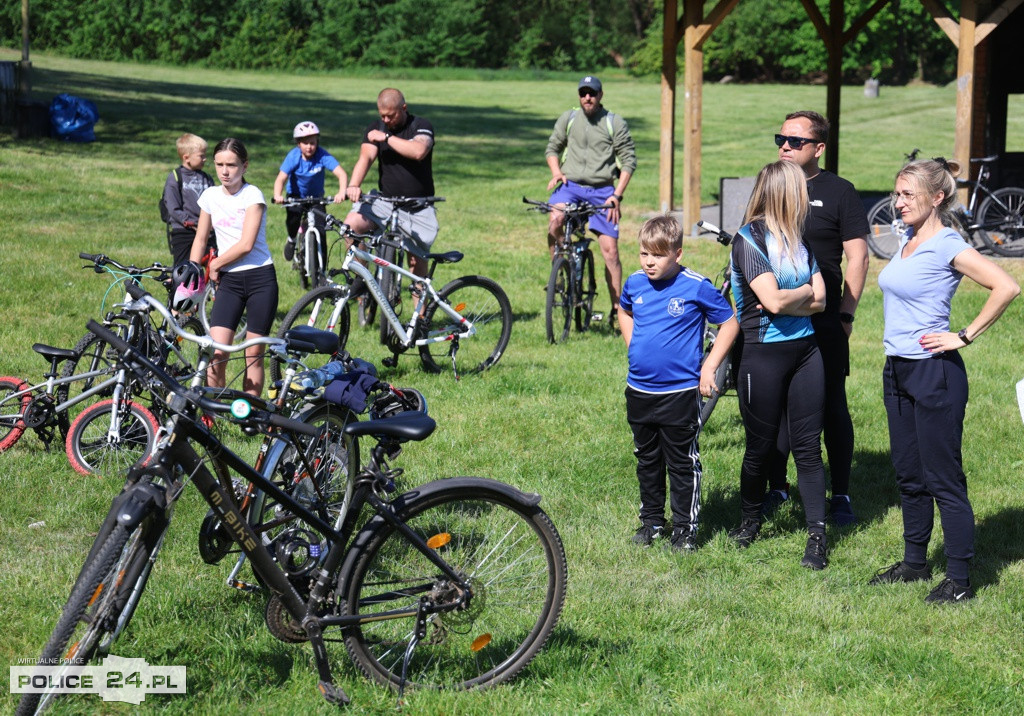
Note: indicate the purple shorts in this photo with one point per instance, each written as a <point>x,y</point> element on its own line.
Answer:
<point>571,192</point>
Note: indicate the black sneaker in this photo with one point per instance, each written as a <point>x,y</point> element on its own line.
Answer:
<point>647,534</point>
<point>357,289</point>
<point>289,249</point>
<point>815,554</point>
<point>745,533</point>
<point>840,511</point>
<point>901,572</point>
<point>949,592</point>
<point>683,540</point>
<point>773,500</point>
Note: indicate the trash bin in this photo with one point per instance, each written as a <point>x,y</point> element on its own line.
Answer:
<point>32,119</point>
<point>871,88</point>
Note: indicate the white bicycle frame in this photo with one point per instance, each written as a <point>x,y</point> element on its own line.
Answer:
<point>404,333</point>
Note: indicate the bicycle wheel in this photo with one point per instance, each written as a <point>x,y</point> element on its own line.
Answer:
<point>512,556</point>
<point>325,308</point>
<point>311,273</point>
<point>558,308</point>
<point>206,310</point>
<point>102,601</point>
<point>178,356</point>
<point>480,301</point>
<point>723,376</point>
<point>1001,217</point>
<point>11,411</point>
<point>92,450</point>
<point>92,354</point>
<point>882,240</point>
<point>587,290</point>
<point>391,285</point>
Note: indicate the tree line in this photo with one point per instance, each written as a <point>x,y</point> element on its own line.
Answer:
<point>759,41</point>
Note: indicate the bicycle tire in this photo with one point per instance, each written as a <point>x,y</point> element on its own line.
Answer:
<point>316,308</point>
<point>209,297</point>
<point>512,555</point>
<point>313,270</point>
<point>882,240</point>
<point>367,311</point>
<point>91,453</point>
<point>483,303</point>
<point>391,287</point>
<point>588,290</point>
<point>558,305</point>
<point>12,427</point>
<point>723,376</point>
<point>1001,220</point>
<point>87,615</point>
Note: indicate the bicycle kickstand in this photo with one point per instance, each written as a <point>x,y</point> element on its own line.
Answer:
<point>417,635</point>
<point>331,692</point>
<point>451,352</point>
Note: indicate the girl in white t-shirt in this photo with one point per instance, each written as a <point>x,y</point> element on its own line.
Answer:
<point>244,270</point>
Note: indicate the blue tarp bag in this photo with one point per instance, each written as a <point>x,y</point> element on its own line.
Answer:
<point>73,118</point>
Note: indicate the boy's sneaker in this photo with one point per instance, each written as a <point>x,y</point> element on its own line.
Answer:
<point>683,540</point>
<point>745,533</point>
<point>901,572</point>
<point>815,554</point>
<point>773,500</point>
<point>289,249</point>
<point>647,534</point>
<point>840,511</point>
<point>949,592</point>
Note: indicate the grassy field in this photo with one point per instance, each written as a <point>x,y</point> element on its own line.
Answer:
<point>643,631</point>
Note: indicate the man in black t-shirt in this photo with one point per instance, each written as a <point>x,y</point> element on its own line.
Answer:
<point>836,227</point>
<point>402,145</point>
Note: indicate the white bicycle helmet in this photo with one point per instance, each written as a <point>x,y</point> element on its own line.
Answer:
<point>305,129</point>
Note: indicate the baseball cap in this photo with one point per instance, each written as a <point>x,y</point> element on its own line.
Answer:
<point>591,82</point>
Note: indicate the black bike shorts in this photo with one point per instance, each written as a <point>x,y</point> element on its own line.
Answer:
<point>253,291</point>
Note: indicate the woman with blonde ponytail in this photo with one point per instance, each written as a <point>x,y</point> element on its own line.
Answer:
<point>778,287</point>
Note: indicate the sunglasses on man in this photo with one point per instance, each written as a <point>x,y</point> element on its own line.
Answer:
<point>794,142</point>
<point>587,92</point>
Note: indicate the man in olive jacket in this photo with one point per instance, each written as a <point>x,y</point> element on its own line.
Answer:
<point>591,157</point>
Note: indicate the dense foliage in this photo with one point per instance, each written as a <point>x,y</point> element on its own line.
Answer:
<point>759,41</point>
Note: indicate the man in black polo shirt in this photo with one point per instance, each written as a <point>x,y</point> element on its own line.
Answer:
<point>836,227</point>
<point>402,145</point>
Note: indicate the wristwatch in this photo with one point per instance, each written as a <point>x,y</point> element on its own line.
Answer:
<point>846,317</point>
<point>962,335</point>
<point>387,136</point>
<point>618,197</point>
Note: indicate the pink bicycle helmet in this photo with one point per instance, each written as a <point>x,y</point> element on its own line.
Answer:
<point>187,279</point>
<point>305,129</point>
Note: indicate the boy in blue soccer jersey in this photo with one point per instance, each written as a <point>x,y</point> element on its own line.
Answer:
<point>664,308</point>
<point>303,171</point>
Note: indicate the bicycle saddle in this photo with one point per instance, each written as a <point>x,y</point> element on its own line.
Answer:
<point>51,352</point>
<point>403,427</point>
<point>307,339</point>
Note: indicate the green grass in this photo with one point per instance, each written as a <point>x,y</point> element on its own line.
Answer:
<point>643,631</point>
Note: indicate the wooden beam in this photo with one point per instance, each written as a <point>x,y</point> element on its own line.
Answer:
<point>692,114</point>
<point>965,86</point>
<point>943,19</point>
<point>995,17</point>
<point>861,22</point>
<point>666,158</point>
<point>707,25</point>
<point>817,19</point>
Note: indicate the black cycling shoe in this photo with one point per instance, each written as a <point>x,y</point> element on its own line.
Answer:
<point>289,249</point>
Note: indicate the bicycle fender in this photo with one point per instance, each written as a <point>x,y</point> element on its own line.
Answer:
<point>482,486</point>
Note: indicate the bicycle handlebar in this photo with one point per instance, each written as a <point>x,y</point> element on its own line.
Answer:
<point>404,202</point>
<point>260,416</point>
<point>723,237</point>
<point>101,260</point>
<point>304,201</point>
<point>581,209</point>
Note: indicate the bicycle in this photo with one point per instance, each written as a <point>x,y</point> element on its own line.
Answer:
<point>440,322</point>
<point>455,584</point>
<point>116,431</point>
<point>571,287</point>
<point>391,250</point>
<point>310,258</point>
<point>725,375</point>
<point>993,219</point>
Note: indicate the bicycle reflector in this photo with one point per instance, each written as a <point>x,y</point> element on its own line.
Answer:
<point>439,540</point>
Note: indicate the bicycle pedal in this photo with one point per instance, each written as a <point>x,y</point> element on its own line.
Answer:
<point>597,316</point>
<point>390,361</point>
<point>332,694</point>
<point>244,586</point>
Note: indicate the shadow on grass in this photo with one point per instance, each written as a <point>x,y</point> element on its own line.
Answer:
<point>136,108</point>
<point>999,543</point>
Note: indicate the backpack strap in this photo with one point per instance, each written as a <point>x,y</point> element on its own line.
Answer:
<point>568,126</point>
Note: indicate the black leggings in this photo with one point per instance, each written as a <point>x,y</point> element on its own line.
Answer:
<point>253,291</point>
<point>777,379</point>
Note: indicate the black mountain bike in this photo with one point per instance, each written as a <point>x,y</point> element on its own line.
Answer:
<point>571,287</point>
<point>457,583</point>
<point>725,376</point>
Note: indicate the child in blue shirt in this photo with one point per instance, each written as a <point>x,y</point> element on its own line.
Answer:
<point>664,310</point>
<point>303,170</point>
